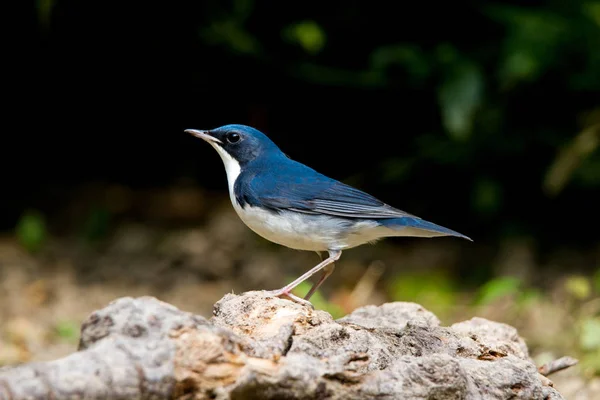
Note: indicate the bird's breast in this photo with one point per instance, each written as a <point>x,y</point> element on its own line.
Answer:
<point>304,231</point>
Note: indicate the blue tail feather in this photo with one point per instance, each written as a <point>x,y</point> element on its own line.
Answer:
<point>420,224</point>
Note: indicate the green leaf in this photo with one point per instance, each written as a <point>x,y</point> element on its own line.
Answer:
<point>308,34</point>
<point>459,96</point>
<point>497,288</point>
<point>31,230</point>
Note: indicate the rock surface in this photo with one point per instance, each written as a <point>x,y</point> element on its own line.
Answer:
<point>259,347</point>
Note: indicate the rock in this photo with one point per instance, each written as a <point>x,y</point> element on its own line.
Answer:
<point>391,315</point>
<point>260,347</point>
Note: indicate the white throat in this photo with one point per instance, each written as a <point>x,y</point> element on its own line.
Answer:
<point>232,168</point>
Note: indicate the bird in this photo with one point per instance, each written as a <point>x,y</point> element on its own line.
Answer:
<point>293,205</point>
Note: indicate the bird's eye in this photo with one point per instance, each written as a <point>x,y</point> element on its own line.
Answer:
<point>233,137</point>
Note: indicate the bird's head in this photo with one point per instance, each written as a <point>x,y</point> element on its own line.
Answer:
<point>237,142</point>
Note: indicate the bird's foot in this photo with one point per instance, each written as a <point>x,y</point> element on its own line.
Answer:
<point>293,297</point>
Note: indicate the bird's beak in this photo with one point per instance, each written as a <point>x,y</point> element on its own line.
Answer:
<point>204,135</point>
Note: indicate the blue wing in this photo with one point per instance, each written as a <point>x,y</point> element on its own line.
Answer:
<point>293,186</point>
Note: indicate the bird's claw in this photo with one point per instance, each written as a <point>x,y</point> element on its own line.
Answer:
<point>293,297</point>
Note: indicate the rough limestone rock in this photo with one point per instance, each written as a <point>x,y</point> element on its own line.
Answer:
<point>259,347</point>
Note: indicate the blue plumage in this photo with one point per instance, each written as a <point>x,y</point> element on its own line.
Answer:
<point>278,183</point>
<point>294,205</point>
<point>415,222</point>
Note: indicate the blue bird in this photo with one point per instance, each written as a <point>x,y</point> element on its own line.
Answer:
<point>293,205</point>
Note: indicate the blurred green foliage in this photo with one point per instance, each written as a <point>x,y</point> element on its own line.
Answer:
<point>579,287</point>
<point>228,29</point>
<point>31,230</point>
<point>497,288</point>
<point>590,335</point>
<point>590,344</point>
<point>307,34</point>
<point>97,224</point>
<point>585,294</point>
<point>435,290</point>
<point>67,331</point>
<point>460,95</point>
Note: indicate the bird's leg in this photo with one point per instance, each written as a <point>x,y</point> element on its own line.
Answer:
<point>334,255</point>
<point>328,270</point>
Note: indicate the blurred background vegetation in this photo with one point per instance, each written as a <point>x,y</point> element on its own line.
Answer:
<point>480,116</point>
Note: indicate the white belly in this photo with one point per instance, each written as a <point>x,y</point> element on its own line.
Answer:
<point>308,232</point>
